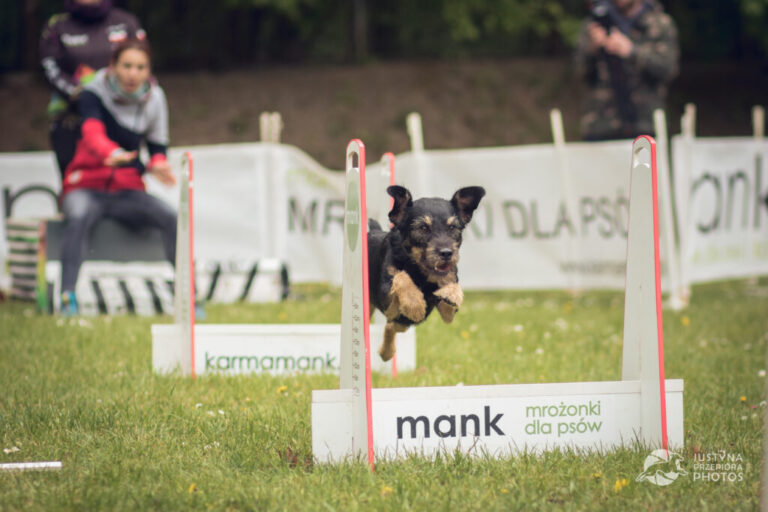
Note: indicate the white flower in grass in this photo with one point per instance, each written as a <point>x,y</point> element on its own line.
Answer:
<point>207,447</point>
<point>197,406</point>
<point>743,418</point>
<point>518,328</point>
<point>762,404</point>
<point>82,322</point>
<point>519,349</point>
<point>761,373</point>
<point>221,412</point>
<point>539,351</point>
<point>211,413</point>
<point>12,449</point>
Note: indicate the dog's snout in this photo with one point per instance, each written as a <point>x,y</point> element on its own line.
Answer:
<point>446,253</point>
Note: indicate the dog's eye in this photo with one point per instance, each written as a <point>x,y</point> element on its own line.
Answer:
<point>453,228</point>
<point>424,228</point>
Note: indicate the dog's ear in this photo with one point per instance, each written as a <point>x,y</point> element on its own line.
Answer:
<point>465,201</point>
<point>402,201</point>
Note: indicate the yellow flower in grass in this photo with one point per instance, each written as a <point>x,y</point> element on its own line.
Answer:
<point>685,321</point>
<point>192,488</point>
<point>620,484</point>
<point>386,490</point>
<point>596,476</point>
<point>282,389</point>
<point>504,491</point>
<point>742,399</point>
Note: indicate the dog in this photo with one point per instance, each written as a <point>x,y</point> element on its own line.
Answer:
<point>412,268</point>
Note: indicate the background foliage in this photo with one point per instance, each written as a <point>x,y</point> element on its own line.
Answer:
<point>200,34</point>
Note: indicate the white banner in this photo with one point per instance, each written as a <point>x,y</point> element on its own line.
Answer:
<point>721,185</point>
<point>552,217</point>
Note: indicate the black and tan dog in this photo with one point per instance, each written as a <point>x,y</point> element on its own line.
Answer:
<point>412,268</point>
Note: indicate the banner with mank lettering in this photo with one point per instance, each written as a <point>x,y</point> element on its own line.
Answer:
<point>721,188</point>
<point>551,217</point>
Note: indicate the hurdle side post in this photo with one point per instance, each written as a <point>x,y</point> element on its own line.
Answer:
<point>676,295</point>
<point>379,209</point>
<point>390,158</point>
<point>184,283</point>
<point>355,357</point>
<point>643,353</point>
<point>566,190</point>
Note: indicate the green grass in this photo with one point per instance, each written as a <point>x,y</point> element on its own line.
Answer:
<point>83,392</point>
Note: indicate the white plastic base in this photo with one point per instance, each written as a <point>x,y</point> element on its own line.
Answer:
<point>493,420</point>
<point>276,349</point>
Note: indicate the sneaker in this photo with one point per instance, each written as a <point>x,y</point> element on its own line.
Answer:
<point>68,304</point>
<point>200,311</point>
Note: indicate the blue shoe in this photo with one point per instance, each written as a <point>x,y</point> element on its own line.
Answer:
<point>68,304</point>
<point>200,311</point>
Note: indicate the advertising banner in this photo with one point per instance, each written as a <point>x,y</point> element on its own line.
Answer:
<point>721,187</point>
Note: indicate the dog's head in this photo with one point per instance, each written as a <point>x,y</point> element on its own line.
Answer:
<point>431,228</point>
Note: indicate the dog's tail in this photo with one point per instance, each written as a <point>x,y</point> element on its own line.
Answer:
<point>374,226</point>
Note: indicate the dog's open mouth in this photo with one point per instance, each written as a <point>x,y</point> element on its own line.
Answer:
<point>443,268</point>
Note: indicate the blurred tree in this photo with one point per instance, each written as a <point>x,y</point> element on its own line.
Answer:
<point>201,34</point>
<point>755,15</point>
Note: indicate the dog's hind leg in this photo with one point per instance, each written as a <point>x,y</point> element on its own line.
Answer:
<point>387,349</point>
<point>451,297</point>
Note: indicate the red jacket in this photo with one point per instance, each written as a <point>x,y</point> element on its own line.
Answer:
<point>113,122</point>
<point>87,169</point>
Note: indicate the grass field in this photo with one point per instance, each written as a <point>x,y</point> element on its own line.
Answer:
<point>82,391</point>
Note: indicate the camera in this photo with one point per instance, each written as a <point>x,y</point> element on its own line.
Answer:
<point>602,11</point>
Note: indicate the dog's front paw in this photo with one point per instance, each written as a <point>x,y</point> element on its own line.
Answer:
<point>410,300</point>
<point>447,311</point>
<point>451,297</point>
<point>452,294</point>
<point>413,306</point>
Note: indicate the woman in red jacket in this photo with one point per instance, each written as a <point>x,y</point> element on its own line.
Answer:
<point>122,108</point>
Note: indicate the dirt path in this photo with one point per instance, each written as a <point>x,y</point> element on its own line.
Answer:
<point>462,104</point>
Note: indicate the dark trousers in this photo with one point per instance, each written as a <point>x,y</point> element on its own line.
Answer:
<point>64,134</point>
<point>135,208</point>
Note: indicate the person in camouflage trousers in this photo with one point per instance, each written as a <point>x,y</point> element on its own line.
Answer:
<point>627,53</point>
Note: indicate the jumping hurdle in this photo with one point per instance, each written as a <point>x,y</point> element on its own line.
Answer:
<point>232,349</point>
<point>356,421</point>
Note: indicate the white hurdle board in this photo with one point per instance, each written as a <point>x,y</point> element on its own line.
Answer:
<point>498,420</point>
<point>276,349</point>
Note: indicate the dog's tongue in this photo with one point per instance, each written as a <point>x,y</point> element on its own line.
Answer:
<point>445,267</point>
